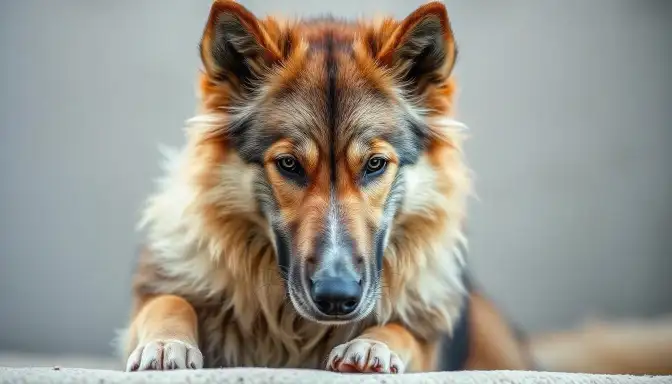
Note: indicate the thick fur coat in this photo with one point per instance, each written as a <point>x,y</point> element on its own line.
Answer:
<point>323,150</point>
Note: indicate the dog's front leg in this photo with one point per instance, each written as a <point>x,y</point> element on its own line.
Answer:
<point>385,349</point>
<point>164,335</point>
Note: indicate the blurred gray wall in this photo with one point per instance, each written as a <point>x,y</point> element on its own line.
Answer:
<point>569,104</point>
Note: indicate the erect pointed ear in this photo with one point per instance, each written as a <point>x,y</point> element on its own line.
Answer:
<point>235,46</point>
<point>421,49</point>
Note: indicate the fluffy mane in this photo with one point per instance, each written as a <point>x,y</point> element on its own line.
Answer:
<point>208,241</point>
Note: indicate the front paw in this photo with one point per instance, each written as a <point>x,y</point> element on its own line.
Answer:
<point>160,355</point>
<point>363,355</point>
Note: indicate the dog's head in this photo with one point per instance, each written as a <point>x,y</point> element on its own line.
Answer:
<point>331,119</point>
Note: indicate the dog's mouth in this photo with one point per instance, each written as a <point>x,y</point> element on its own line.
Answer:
<point>333,301</point>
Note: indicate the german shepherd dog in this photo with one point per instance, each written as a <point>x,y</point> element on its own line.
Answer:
<point>314,218</point>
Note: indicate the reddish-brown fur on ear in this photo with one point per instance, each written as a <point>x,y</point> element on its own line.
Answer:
<point>423,40</point>
<point>230,25</point>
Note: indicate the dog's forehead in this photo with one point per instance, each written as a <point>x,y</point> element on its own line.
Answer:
<point>333,102</point>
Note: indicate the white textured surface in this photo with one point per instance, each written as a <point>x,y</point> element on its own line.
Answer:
<point>261,375</point>
<point>12,359</point>
<point>37,368</point>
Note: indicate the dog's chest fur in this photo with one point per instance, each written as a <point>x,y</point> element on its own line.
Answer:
<point>250,326</point>
<point>225,342</point>
<point>230,276</point>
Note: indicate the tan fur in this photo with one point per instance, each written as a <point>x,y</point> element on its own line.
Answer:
<point>493,345</point>
<point>166,317</point>
<point>422,355</point>
<point>639,347</point>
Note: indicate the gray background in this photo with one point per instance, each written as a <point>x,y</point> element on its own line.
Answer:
<point>569,104</point>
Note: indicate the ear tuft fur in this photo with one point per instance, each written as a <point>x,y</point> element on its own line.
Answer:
<point>235,46</point>
<point>422,47</point>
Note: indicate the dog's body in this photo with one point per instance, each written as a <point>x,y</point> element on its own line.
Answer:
<point>314,218</point>
<point>283,339</point>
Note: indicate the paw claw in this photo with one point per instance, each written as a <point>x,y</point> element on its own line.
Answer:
<point>337,360</point>
<point>376,364</point>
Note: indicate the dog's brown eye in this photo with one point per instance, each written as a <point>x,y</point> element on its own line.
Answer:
<point>287,163</point>
<point>375,166</point>
<point>289,166</point>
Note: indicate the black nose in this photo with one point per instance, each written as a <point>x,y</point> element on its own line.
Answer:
<point>336,296</point>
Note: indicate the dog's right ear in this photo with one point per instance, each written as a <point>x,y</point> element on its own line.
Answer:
<point>235,46</point>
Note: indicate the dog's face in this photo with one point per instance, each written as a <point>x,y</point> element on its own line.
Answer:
<point>332,183</point>
<point>330,114</point>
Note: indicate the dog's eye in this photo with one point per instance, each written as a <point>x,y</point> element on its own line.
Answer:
<point>289,166</point>
<point>375,166</point>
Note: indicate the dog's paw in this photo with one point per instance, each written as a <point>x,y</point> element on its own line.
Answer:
<point>363,355</point>
<point>160,355</point>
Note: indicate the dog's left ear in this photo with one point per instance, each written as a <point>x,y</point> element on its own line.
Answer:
<point>421,49</point>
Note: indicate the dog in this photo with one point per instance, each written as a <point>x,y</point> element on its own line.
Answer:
<point>315,216</point>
